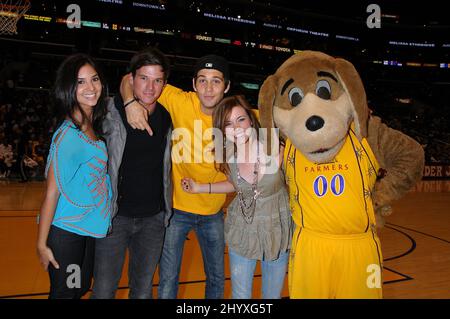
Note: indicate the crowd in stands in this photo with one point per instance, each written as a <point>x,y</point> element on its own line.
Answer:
<point>420,112</point>
<point>26,127</point>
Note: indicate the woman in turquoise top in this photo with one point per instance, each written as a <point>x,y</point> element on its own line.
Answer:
<point>77,204</point>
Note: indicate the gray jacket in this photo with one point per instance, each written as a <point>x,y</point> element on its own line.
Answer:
<point>116,136</point>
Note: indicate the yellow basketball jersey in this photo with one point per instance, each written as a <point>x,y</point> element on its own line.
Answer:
<point>335,197</point>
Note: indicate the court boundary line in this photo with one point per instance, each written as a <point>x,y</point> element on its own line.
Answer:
<point>422,233</point>
<point>119,288</point>
<point>411,249</point>
<point>405,277</point>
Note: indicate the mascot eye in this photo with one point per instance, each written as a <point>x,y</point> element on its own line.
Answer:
<point>323,90</point>
<point>296,96</point>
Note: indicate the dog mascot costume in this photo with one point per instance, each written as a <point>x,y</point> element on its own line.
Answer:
<point>343,167</point>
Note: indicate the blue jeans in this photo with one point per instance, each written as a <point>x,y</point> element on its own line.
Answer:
<point>143,237</point>
<point>210,234</point>
<point>242,271</point>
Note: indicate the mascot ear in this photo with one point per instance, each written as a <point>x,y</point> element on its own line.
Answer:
<point>266,101</point>
<point>353,86</point>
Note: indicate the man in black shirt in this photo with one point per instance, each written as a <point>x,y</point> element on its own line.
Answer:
<point>139,166</point>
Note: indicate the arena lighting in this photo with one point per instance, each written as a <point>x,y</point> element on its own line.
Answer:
<point>143,30</point>
<point>221,40</point>
<point>412,44</point>
<point>392,63</point>
<point>111,1</point>
<point>203,38</point>
<point>270,25</point>
<point>37,18</point>
<point>282,49</point>
<point>91,24</point>
<point>266,47</point>
<point>61,20</point>
<point>214,16</point>
<point>344,37</point>
<point>413,64</point>
<point>164,32</point>
<point>322,34</point>
<point>404,100</point>
<point>297,30</point>
<point>391,16</point>
<point>226,18</point>
<point>148,6</point>
<point>116,27</point>
<point>250,86</point>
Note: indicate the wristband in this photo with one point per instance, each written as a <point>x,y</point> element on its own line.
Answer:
<point>129,102</point>
<point>209,188</point>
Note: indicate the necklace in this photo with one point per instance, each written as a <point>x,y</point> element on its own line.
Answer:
<point>247,206</point>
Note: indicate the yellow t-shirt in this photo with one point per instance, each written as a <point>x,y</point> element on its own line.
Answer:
<point>191,151</point>
<point>333,198</point>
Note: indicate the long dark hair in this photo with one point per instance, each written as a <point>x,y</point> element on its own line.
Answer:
<point>221,112</point>
<point>65,92</point>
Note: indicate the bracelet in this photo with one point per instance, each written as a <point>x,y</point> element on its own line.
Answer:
<point>129,102</point>
<point>209,188</point>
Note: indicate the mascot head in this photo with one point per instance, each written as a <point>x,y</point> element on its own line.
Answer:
<point>313,99</point>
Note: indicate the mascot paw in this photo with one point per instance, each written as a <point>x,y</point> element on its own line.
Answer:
<point>379,220</point>
<point>381,213</point>
<point>385,210</point>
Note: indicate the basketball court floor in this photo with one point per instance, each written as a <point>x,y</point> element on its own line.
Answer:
<point>415,245</point>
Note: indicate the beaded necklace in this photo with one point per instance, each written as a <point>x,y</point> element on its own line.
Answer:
<point>247,207</point>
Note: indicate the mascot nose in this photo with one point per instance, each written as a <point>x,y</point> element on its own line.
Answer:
<point>314,123</point>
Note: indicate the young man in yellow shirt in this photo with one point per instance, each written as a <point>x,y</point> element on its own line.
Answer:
<point>191,114</point>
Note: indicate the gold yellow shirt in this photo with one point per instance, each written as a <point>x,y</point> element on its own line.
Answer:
<point>191,151</point>
<point>333,198</point>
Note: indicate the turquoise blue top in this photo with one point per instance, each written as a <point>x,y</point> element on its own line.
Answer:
<point>80,168</point>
